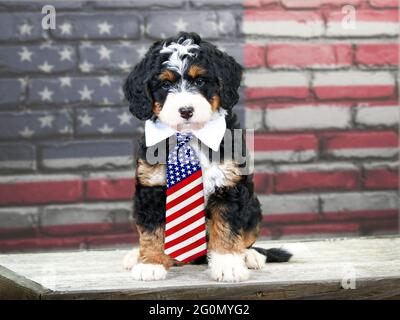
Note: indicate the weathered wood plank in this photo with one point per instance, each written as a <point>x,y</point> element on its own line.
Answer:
<point>14,286</point>
<point>316,272</point>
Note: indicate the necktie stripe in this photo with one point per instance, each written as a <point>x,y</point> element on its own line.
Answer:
<point>182,211</point>
<point>181,184</point>
<point>201,253</point>
<point>172,223</point>
<point>186,196</point>
<point>180,192</point>
<point>184,203</point>
<point>185,223</point>
<point>185,239</point>
<point>188,256</point>
<point>185,227</point>
<point>182,231</point>
<point>189,247</point>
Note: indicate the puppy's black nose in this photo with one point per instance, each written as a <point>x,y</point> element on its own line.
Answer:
<point>186,112</point>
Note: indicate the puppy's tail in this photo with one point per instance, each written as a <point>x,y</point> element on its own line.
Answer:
<point>274,254</point>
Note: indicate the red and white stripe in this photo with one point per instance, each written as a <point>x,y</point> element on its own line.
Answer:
<point>266,84</point>
<point>282,24</point>
<point>353,84</point>
<point>185,229</point>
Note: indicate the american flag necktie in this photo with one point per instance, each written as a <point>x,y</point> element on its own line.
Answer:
<point>185,228</point>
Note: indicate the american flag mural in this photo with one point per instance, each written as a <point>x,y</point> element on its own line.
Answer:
<point>320,88</point>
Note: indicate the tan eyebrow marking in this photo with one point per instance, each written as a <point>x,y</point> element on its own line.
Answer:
<point>167,75</point>
<point>195,71</point>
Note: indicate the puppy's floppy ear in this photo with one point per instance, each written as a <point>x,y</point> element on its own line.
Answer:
<point>136,86</point>
<point>229,74</point>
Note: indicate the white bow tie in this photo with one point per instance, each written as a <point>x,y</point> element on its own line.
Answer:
<point>211,134</point>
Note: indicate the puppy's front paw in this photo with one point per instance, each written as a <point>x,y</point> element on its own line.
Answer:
<point>227,267</point>
<point>148,272</point>
<point>254,259</point>
<point>130,259</point>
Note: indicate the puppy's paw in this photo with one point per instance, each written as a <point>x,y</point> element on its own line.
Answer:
<point>227,267</point>
<point>254,259</point>
<point>149,272</point>
<point>130,259</point>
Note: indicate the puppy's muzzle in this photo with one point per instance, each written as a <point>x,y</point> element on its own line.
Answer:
<point>186,112</point>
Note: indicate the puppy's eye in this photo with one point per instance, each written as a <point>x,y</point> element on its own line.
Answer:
<point>199,82</point>
<point>166,85</point>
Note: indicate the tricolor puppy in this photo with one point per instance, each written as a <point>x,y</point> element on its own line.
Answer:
<point>191,208</point>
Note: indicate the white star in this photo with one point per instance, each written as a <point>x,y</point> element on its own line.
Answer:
<point>46,121</point>
<point>26,133</point>
<point>141,51</point>
<point>104,53</point>
<point>106,129</point>
<point>46,67</point>
<point>25,54</point>
<point>85,93</point>
<point>65,54</point>
<point>85,66</point>
<point>86,44</point>
<point>46,94</point>
<point>65,81</point>
<point>25,29</point>
<point>105,101</point>
<point>124,118</point>
<point>180,25</point>
<point>105,81</point>
<point>65,28</point>
<point>145,29</point>
<point>46,44</point>
<point>104,27</point>
<point>86,120</point>
<point>124,65</point>
<point>23,82</point>
<point>125,43</point>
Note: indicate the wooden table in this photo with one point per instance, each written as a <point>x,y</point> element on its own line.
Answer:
<point>337,268</point>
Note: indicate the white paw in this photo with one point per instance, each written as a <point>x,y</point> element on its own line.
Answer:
<point>148,272</point>
<point>130,259</point>
<point>254,259</point>
<point>227,267</point>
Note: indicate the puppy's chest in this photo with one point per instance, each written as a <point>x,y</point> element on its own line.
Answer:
<point>217,174</point>
<point>214,174</point>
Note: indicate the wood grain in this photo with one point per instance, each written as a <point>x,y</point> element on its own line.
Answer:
<point>316,272</point>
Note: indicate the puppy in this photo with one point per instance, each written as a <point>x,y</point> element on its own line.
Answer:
<point>185,84</point>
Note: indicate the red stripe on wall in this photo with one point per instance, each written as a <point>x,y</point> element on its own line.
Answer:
<point>41,192</point>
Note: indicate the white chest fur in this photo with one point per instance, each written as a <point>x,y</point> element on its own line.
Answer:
<point>216,174</point>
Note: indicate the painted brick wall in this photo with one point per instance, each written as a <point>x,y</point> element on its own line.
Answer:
<point>323,100</point>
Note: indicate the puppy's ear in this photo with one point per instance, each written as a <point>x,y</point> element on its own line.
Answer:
<point>229,74</point>
<point>136,87</point>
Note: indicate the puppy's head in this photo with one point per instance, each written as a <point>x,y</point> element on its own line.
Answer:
<point>182,81</point>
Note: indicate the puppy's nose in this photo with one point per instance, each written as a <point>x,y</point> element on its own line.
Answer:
<point>186,112</point>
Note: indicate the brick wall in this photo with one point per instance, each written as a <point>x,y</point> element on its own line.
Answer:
<point>322,98</point>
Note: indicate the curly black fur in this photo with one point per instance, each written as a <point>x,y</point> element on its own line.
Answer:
<point>243,208</point>
<point>149,206</point>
